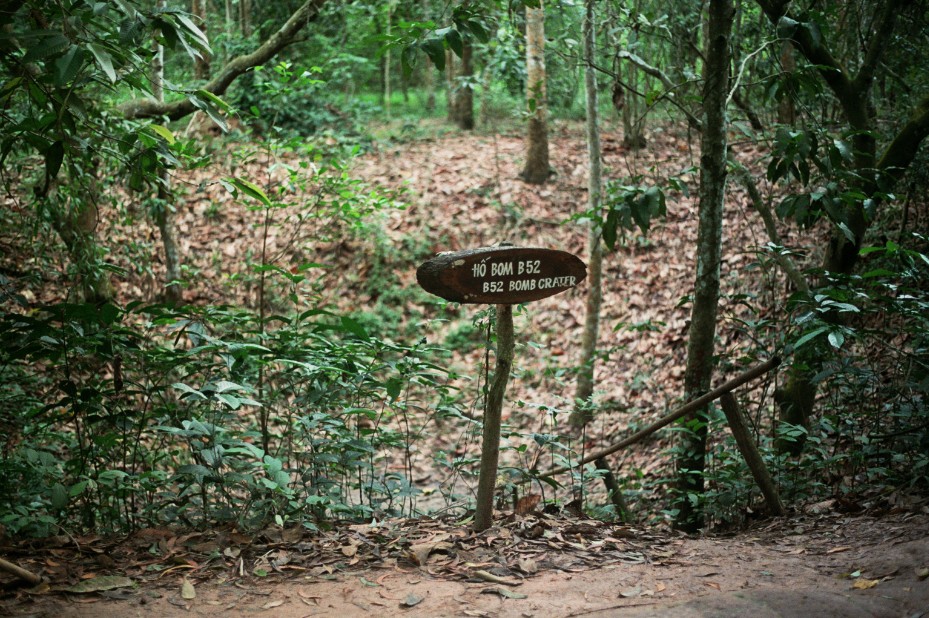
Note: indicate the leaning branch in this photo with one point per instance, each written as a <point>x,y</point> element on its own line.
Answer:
<point>147,108</point>
<point>902,150</point>
<point>761,207</point>
<point>696,404</point>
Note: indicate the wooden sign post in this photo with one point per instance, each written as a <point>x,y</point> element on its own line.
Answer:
<point>502,276</point>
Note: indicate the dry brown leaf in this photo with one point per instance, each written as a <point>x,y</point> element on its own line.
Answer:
<point>527,504</point>
<point>865,584</point>
<point>187,590</point>
<point>273,604</point>
<point>349,550</point>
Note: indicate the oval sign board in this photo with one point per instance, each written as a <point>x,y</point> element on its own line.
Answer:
<point>500,275</point>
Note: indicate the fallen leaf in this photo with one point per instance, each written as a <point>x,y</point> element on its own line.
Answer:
<point>494,579</point>
<point>187,590</point>
<point>504,592</point>
<point>273,604</point>
<point>349,550</point>
<point>527,504</point>
<point>411,600</point>
<point>922,573</point>
<point>836,550</point>
<point>660,587</point>
<point>97,584</point>
<point>713,585</point>
<point>527,566</point>
<point>865,584</point>
<point>629,593</point>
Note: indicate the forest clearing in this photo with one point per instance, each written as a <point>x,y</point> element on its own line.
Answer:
<point>230,389</point>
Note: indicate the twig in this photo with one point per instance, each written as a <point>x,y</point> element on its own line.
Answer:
<point>20,572</point>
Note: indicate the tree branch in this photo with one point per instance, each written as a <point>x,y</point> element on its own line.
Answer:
<point>147,108</point>
<point>761,207</point>
<point>902,150</point>
<point>877,45</point>
<point>665,80</point>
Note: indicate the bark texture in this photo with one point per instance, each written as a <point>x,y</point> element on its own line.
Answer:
<point>591,334</point>
<point>537,162</point>
<point>464,94</point>
<point>700,343</point>
<point>493,412</point>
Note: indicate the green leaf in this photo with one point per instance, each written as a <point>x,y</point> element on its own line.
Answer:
<point>53,158</point>
<point>59,498</point>
<point>201,40</point>
<point>836,339</point>
<point>610,228</point>
<point>810,335</point>
<point>354,327</point>
<point>67,67</point>
<point>163,131</point>
<point>436,52</point>
<point>454,42</point>
<point>251,189</point>
<point>104,60</point>
<point>49,44</point>
<point>206,95</point>
<point>394,387</point>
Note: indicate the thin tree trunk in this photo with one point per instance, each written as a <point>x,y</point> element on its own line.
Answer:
<point>700,344</point>
<point>537,167</point>
<point>387,92</point>
<point>490,441</point>
<point>245,17</point>
<point>429,87</point>
<point>451,94</point>
<point>583,411</point>
<point>164,215</point>
<point>464,98</point>
<point>201,64</point>
<point>591,334</point>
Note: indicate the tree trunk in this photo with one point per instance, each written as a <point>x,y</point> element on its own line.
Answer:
<point>451,96</point>
<point>201,64</point>
<point>386,67</point>
<point>633,129</point>
<point>591,334</point>
<point>583,411</point>
<point>700,344</point>
<point>490,440</point>
<point>429,87</point>
<point>164,215</point>
<point>464,93</point>
<point>245,17</point>
<point>786,109</point>
<point>537,167</point>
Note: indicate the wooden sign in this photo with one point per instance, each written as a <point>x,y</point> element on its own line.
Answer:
<point>500,275</point>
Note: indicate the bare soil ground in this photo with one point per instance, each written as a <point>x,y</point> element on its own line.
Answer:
<point>809,565</point>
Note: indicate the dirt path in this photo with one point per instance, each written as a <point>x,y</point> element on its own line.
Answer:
<point>814,565</point>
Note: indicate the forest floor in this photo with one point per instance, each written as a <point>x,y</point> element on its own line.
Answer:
<point>861,557</point>
<point>820,564</point>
